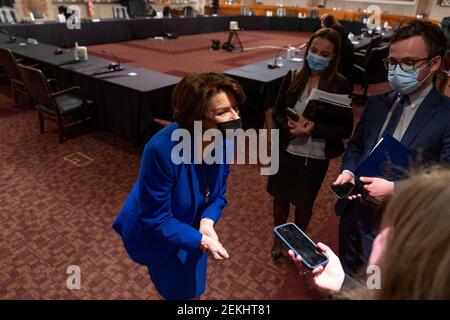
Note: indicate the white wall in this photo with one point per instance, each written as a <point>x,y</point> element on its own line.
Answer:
<point>404,10</point>
<point>25,13</point>
<point>293,3</point>
<point>102,10</point>
<point>437,12</point>
<point>347,5</point>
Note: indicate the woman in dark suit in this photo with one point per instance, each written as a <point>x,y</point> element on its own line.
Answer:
<point>305,146</point>
<point>167,222</point>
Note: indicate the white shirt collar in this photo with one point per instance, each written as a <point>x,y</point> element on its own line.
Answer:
<point>416,99</point>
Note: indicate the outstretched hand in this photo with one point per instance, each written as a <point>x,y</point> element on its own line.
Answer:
<point>207,228</point>
<point>346,177</point>
<point>210,240</point>
<point>327,279</point>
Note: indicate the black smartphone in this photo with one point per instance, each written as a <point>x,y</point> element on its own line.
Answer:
<point>296,240</point>
<point>292,114</point>
<point>342,191</point>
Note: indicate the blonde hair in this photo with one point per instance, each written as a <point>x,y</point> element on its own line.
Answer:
<point>416,259</point>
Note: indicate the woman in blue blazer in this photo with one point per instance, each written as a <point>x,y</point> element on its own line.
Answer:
<point>167,222</point>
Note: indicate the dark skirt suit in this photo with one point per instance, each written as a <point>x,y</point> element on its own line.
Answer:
<point>299,178</point>
<point>160,219</point>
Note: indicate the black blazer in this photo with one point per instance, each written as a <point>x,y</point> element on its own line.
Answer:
<point>333,135</point>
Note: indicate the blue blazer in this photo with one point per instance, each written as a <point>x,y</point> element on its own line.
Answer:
<point>166,202</point>
<point>428,133</point>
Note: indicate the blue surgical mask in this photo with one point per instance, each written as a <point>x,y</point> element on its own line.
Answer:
<point>405,82</point>
<point>316,62</point>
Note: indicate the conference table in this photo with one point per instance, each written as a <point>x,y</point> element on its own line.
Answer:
<point>261,85</point>
<point>125,105</point>
<point>363,40</point>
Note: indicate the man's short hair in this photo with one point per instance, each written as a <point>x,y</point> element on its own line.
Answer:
<point>432,34</point>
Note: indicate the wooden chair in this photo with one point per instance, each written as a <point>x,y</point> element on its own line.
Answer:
<point>67,107</point>
<point>9,63</point>
<point>372,72</point>
<point>120,12</point>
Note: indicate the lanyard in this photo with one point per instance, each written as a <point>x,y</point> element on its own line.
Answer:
<point>205,182</point>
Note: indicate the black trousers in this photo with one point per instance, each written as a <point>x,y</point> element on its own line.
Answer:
<point>358,227</point>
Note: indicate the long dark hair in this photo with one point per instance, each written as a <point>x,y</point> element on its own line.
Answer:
<point>301,78</point>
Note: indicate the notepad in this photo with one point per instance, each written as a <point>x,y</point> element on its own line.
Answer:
<point>328,108</point>
<point>389,159</point>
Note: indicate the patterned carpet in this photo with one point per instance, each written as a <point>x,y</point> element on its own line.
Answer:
<point>58,201</point>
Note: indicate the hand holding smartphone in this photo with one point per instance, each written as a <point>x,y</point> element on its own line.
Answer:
<point>342,191</point>
<point>292,114</point>
<point>296,240</point>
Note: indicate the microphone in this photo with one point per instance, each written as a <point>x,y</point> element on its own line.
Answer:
<point>11,38</point>
<point>113,66</point>
<point>274,65</point>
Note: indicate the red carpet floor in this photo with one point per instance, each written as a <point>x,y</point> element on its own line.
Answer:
<point>189,54</point>
<point>54,213</point>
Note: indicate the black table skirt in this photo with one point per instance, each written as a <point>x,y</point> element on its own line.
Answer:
<point>127,106</point>
<point>116,30</point>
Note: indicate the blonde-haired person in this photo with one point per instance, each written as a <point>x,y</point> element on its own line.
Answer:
<point>412,250</point>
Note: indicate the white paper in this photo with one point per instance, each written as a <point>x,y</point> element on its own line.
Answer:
<point>376,146</point>
<point>341,100</point>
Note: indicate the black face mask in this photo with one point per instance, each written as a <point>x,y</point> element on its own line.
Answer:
<point>232,124</point>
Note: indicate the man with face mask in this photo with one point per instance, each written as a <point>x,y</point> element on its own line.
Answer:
<point>414,113</point>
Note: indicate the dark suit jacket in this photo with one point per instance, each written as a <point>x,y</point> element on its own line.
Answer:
<point>332,135</point>
<point>428,134</point>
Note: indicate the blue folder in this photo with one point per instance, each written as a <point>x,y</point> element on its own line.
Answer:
<point>390,160</point>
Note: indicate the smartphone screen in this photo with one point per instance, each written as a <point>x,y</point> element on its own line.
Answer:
<point>296,240</point>
<point>342,190</point>
<point>291,113</point>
